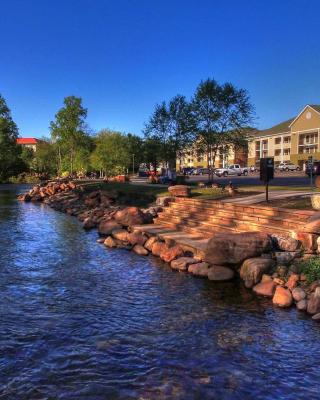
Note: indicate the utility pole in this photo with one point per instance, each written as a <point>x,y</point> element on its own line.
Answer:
<point>132,164</point>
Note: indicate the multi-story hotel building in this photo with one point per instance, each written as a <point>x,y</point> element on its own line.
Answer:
<point>293,140</point>
<point>223,158</point>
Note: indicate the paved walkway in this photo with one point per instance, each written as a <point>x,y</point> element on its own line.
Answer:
<point>273,195</point>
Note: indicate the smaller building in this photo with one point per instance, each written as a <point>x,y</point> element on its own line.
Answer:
<point>29,142</point>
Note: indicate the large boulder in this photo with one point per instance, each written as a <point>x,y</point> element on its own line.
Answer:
<point>150,242</point>
<point>107,226</point>
<point>130,216</point>
<point>169,254</point>
<point>110,242</point>
<point>182,263</point>
<point>293,281</point>
<point>285,243</point>
<point>218,273</point>
<point>234,248</point>
<point>314,302</point>
<point>157,248</point>
<point>179,191</point>
<point>286,257</point>
<point>282,297</point>
<point>199,269</point>
<point>298,294</point>
<point>136,238</point>
<point>302,305</point>
<point>252,270</point>
<point>120,234</point>
<point>140,250</point>
<point>265,288</point>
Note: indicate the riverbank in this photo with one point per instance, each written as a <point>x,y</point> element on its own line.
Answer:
<point>271,265</point>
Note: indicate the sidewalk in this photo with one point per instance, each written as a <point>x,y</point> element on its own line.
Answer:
<point>273,195</point>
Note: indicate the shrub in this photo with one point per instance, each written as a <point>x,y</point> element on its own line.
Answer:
<point>311,269</point>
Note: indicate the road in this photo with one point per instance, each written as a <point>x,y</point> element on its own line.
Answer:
<point>281,179</point>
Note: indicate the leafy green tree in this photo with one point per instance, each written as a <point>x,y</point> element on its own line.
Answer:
<point>111,155</point>
<point>45,157</point>
<point>152,152</point>
<point>172,126</point>
<point>135,151</point>
<point>157,130</point>
<point>221,114</point>
<point>181,126</point>
<point>69,132</point>
<point>27,157</point>
<point>10,161</point>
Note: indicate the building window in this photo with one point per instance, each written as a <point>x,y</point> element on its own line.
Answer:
<point>287,139</point>
<point>264,145</point>
<point>277,140</point>
<point>277,153</point>
<point>286,152</point>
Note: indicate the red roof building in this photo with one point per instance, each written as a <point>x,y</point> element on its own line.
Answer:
<point>29,142</point>
<point>25,141</point>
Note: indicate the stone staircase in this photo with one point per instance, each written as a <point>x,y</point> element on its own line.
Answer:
<point>190,222</point>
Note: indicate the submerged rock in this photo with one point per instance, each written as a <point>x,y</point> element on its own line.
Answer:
<point>218,273</point>
<point>199,269</point>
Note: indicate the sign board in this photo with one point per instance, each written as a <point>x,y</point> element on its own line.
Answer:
<point>266,169</point>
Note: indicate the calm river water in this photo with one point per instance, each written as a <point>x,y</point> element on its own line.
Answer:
<point>79,321</point>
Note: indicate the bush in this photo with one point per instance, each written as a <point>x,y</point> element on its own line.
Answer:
<point>24,178</point>
<point>311,269</point>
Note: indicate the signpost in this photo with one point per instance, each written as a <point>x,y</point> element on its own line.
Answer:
<point>310,166</point>
<point>266,172</point>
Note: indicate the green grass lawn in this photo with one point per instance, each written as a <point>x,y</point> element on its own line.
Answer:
<point>146,194</point>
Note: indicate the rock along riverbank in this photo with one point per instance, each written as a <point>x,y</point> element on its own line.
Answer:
<point>267,264</point>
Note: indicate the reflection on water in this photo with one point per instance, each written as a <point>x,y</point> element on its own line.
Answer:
<point>78,321</point>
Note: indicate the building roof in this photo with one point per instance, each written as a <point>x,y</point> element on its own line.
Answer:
<point>315,107</point>
<point>283,127</point>
<point>27,141</point>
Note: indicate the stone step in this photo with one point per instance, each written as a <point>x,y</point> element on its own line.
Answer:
<point>210,228</point>
<point>229,217</point>
<point>201,205</point>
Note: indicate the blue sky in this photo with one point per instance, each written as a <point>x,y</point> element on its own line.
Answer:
<point>124,56</point>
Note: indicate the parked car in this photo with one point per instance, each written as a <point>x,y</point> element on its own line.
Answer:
<point>187,171</point>
<point>315,168</point>
<point>288,166</point>
<point>234,169</point>
<point>197,171</point>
